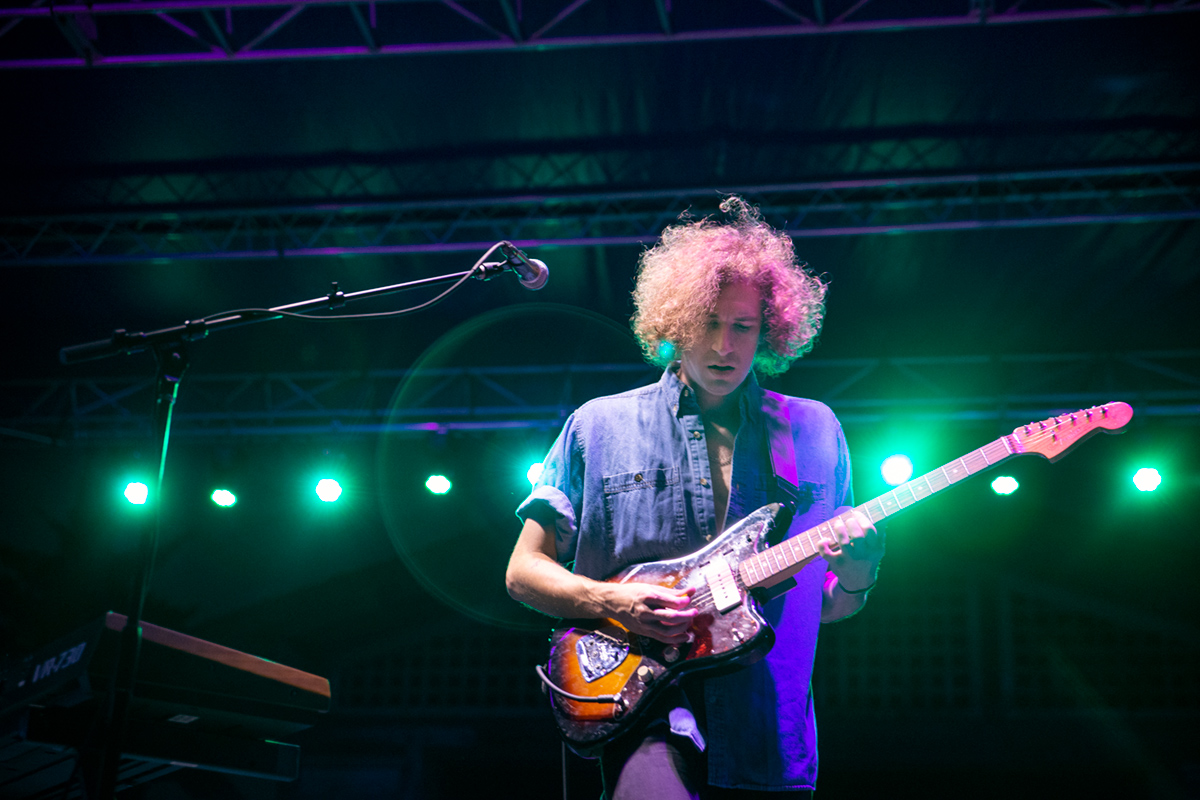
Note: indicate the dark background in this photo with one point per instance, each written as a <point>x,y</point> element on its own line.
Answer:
<point>1046,643</point>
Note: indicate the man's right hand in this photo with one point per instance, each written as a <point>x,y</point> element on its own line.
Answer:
<point>655,611</point>
<point>536,579</point>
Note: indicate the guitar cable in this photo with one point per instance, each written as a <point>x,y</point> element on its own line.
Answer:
<point>578,698</point>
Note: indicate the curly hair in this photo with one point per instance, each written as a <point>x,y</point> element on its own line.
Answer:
<point>679,279</point>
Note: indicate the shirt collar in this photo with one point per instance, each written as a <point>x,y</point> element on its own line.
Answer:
<point>678,397</point>
<point>682,400</point>
<point>752,398</point>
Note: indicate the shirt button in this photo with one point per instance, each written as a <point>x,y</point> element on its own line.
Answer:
<point>704,481</point>
<point>695,434</point>
<point>637,478</point>
<point>708,538</point>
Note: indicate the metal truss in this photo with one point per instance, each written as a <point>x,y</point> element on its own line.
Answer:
<point>596,164</point>
<point>1011,388</point>
<point>146,32</point>
<point>848,207</point>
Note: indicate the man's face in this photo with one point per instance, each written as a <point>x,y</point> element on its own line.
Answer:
<point>717,364</point>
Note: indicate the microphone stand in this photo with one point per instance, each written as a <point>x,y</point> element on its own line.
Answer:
<point>170,352</point>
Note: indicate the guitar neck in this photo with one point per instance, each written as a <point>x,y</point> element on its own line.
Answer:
<point>929,484</point>
<point>778,563</point>
<point>1051,438</point>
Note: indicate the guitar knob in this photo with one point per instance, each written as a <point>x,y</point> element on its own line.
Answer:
<point>645,674</point>
<point>670,654</point>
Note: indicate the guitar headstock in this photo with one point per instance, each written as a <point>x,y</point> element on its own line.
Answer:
<point>1053,437</point>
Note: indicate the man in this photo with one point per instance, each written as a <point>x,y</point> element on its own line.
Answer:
<point>657,472</point>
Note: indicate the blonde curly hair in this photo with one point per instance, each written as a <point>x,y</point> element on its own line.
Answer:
<point>679,279</point>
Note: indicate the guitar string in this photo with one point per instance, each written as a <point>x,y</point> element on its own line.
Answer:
<point>703,597</point>
<point>1032,439</point>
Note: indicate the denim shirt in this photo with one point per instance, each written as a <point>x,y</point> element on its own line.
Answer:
<point>628,480</point>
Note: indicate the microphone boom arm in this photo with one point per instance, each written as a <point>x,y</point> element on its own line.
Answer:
<point>122,341</point>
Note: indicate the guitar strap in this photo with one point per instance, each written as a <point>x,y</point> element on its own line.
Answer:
<point>782,448</point>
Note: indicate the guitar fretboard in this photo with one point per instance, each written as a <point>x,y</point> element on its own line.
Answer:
<point>785,559</point>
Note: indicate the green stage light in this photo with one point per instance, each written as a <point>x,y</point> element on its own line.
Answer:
<point>137,493</point>
<point>896,469</point>
<point>328,490</point>
<point>224,498</point>
<point>438,484</point>
<point>534,472</point>
<point>1147,479</point>
<point>1005,484</point>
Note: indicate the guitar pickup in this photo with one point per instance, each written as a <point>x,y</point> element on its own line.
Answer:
<point>722,584</point>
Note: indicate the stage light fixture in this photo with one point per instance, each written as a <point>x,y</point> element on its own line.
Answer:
<point>224,498</point>
<point>328,490</point>
<point>534,472</point>
<point>896,469</point>
<point>1147,479</point>
<point>137,493</point>
<point>438,484</point>
<point>1005,484</point>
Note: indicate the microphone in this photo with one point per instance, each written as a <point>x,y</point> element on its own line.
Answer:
<point>533,272</point>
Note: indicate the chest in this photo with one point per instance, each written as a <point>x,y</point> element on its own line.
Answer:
<point>720,441</point>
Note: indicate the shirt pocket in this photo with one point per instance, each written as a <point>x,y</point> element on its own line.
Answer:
<point>644,511</point>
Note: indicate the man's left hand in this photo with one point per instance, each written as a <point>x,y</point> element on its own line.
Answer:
<point>855,551</point>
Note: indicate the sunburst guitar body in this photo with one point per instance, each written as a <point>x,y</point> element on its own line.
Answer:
<point>602,659</point>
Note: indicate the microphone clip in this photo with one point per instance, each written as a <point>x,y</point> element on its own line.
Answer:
<point>490,269</point>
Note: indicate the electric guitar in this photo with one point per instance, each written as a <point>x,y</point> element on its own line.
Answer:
<point>602,678</point>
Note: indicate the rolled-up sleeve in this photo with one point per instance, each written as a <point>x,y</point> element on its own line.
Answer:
<point>559,491</point>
